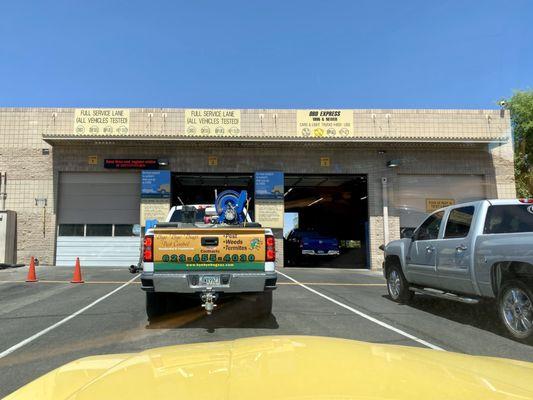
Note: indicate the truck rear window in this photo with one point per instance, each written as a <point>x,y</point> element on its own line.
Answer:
<point>176,215</point>
<point>509,219</point>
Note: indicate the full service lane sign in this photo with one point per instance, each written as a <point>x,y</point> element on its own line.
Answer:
<point>101,121</point>
<point>324,123</point>
<point>203,122</point>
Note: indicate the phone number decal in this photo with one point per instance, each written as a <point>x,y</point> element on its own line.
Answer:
<point>207,258</point>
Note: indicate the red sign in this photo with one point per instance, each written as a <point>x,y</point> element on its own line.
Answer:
<point>130,164</point>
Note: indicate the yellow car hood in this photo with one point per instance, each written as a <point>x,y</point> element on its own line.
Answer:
<point>285,367</point>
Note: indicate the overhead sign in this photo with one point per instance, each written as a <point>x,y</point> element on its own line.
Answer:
<point>204,122</point>
<point>269,185</point>
<point>435,204</point>
<point>129,163</point>
<point>101,121</point>
<point>155,184</point>
<point>324,123</point>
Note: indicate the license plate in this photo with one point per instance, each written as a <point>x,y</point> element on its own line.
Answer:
<point>209,280</point>
<point>320,251</point>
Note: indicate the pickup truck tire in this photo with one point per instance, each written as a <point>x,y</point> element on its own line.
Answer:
<point>264,303</point>
<point>515,307</point>
<point>397,285</point>
<point>156,304</point>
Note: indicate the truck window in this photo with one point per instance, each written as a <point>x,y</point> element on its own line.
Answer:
<point>176,215</point>
<point>430,227</point>
<point>459,222</point>
<point>509,219</point>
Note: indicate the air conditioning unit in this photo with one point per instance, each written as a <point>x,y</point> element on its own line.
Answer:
<point>8,237</point>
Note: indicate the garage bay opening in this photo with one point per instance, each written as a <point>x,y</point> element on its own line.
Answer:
<point>326,221</point>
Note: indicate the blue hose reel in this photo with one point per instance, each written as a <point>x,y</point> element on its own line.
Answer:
<point>230,207</point>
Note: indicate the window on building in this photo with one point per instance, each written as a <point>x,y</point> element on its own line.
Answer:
<point>71,230</point>
<point>99,230</point>
<point>124,230</point>
<point>459,222</point>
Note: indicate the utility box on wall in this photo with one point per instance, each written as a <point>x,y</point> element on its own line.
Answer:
<point>8,237</point>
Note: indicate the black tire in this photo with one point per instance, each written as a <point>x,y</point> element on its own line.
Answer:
<point>156,304</point>
<point>264,303</point>
<point>397,285</point>
<point>515,308</point>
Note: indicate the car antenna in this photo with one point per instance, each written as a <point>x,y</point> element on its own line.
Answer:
<point>181,201</point>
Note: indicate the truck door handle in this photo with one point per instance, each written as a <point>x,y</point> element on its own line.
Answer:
<point>209,241</point>
<point>461,248</point>
<point>430,249</point>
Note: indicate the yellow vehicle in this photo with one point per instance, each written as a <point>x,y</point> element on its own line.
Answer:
<point>193,254</point>
<point>284,367</point>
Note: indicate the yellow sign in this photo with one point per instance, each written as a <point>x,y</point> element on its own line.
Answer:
<point>435,204</point>
<point>324,123</point>
<point>212,161</point>
<point>101,121</point>
<point>324,161</point>
<point>92,160</point>
<point>154,209</point>
<point>184,248</point>
<point>269,214</point>
<point>203,122</point>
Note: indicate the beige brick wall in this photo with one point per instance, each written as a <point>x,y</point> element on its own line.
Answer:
<point>34,175</point>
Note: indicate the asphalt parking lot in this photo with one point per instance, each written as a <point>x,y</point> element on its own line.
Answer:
<point>46,324</point>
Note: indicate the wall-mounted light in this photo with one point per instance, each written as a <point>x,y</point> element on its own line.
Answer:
<point>163,162</point>
<point>393,163</point>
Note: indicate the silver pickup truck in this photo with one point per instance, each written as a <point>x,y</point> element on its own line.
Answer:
<point>468,252</point>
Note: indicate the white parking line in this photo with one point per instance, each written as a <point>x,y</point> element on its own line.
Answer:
<point>66,319</point>
<point>366,316</point>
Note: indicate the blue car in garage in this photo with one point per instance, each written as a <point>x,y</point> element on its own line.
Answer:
<point>304,245</point>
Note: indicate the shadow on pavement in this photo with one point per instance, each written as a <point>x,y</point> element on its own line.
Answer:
<point>231,312</point>
<point>482,316</point>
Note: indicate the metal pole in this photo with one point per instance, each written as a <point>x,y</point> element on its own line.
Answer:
<point>385,210</point>
<point>3,183</point>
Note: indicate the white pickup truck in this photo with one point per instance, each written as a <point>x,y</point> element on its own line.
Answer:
<point>468,252</point>
<point>203,259</point>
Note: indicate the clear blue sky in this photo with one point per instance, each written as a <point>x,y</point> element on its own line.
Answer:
<point>248,54</point>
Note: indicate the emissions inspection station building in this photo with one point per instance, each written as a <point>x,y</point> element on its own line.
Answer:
<point>83,182</point>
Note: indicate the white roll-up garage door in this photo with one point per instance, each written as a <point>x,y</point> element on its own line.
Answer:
<point>417,192</point>
<point>96,216</point>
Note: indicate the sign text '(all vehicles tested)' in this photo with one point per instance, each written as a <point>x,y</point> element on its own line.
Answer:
<point>101,117</point>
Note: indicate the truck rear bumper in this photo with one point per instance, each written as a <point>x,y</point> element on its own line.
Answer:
<point>231,282</point>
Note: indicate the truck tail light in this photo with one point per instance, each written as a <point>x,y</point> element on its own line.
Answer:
<point>148,248</point>
<point>270,248</point>
<point>527,201</point>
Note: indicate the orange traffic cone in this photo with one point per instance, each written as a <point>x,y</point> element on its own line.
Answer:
<point>77,273</point>
<point>32,277</point>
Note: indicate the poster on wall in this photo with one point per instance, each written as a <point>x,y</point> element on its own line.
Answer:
<point>101,121</point>
<point>269,185</point>
<point>155,184</point>
<point>270,214</point>
<point>212,122</point>
<point>324,123</point>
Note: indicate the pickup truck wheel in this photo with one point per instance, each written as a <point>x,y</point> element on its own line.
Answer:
<point>397,285</point>
<point>515,306</point>
<point>264,303</point>
<point>156,304</point>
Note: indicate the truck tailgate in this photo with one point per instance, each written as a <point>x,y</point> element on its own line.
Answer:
<point>197,249</point>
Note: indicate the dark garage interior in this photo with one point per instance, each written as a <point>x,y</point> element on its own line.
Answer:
<point>200,188</point>
<point>328,206</point>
